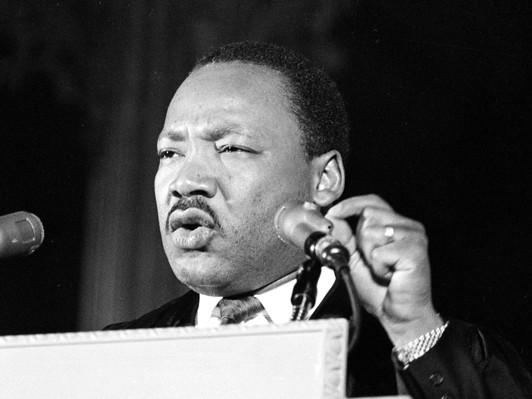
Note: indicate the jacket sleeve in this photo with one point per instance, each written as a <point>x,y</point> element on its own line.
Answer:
<point>466,363</point>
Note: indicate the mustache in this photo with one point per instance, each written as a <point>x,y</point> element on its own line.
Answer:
<point>183,204</point>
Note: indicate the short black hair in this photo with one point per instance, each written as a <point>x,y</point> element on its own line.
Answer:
<point>315,98</point>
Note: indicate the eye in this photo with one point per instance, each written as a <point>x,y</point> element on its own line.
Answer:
<point>166,154</point>
<point>230,148</point>
<point>234,148</point>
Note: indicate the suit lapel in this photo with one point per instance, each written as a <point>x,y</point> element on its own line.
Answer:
<point>180,312</point>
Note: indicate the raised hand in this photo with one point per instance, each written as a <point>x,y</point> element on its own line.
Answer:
<point>389,264</point>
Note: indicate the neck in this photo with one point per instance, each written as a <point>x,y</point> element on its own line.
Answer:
<point>274,284</point>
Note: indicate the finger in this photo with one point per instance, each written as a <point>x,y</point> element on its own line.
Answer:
<point>383,217</point>
<point>398,256</point>
<point>370,237</point>
<point>355,205</point>
<point>384,234</point>
<point>342,232</point>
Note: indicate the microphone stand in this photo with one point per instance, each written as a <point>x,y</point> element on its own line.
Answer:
<point>324,250</point>
<point>304,293</point>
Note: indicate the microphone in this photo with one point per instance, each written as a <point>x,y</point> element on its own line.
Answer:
<point>301,224</point>
<point>21,233</point>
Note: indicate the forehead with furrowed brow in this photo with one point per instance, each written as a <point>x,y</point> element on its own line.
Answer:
<point>210,133</point>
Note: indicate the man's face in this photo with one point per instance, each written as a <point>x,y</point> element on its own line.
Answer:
<point>230,156</point>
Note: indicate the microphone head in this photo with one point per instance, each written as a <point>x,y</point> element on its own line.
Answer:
<point>296,220</point>
<point>21,233</point>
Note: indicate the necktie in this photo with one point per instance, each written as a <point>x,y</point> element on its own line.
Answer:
<point>239,310</point>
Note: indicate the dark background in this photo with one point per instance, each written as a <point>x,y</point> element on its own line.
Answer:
<point>438,94</point>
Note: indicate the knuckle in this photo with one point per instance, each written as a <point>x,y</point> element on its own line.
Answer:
<point>374,197</point>
<point>419,226</point>
<point>363,232</point>
<point>378,201</point>
<point>423,240</point>
<point>375,253</point>
<point>417,239</point>
<point>367,212</point>
<point>419,251</point>
<point>417,244</point>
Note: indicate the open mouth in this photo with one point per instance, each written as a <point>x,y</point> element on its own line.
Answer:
<point>189,226</point>
<point>191,229</point>
<point>190,220</point>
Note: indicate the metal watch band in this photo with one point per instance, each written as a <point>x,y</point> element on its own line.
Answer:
<point>413,350</point>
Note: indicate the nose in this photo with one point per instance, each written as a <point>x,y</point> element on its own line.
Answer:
<point>195,177</point>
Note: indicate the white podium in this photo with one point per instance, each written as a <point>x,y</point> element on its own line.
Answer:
<point>304,360</point>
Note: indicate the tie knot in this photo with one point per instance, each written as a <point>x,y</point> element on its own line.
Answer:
<point>238,310</point>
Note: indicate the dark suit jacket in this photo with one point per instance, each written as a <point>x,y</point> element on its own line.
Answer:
<point>465,363</point>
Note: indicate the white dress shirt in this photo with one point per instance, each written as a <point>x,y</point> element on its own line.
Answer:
<point>276,301</point>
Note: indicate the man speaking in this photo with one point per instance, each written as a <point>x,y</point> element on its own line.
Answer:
<point>252,127</point>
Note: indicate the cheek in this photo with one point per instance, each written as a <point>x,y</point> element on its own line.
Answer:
<point>256,208</point>
<point>263,194</point>
<point>273,176</point>
<point>157,184</point>
<point>160,186</point>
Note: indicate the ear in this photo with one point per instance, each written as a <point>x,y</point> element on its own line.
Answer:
<point>328,178</point>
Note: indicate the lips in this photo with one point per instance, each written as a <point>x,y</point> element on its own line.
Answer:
<point>191,228</point>
<point>190,219</point>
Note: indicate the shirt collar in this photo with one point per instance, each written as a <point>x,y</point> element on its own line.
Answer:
<point>276,301</point>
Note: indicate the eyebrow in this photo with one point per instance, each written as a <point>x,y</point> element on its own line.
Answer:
<point>214,133</point>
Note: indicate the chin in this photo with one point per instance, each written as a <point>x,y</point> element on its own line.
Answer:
<point>205,273</point>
